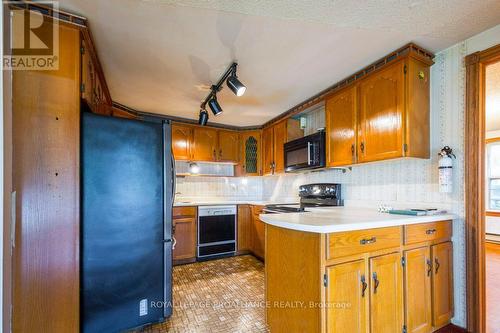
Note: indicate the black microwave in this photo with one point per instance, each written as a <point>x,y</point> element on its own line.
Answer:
<point>305,153</point>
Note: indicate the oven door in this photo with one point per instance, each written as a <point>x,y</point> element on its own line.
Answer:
<point>216,229</point>
<point>305,153</point>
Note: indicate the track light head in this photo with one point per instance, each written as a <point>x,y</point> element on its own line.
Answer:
<point>203,118</point>
<point>235,85</point>
<point>214,105</point>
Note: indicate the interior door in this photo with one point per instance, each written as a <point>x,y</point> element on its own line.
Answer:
<point>347,306</point>
<point>182,136</point>
<point>205,144</point>
<point>268,150</point>
<point>386,293</point>
<point>381,115</point>
<point>229,146</point>
<point>341,127</point>
<point>442,283</point>
<point>280,138</point>
<point>417,278</point>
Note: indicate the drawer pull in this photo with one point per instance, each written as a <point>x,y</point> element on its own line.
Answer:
<point>429,267</point>
<point>376,282</point>
<point>365,241</point>
<point>437,265</point>
<point>430,231</point>
<point>364,285</point>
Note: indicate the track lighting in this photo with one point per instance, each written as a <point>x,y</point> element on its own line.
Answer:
<point>232,82</point>
<point>203,118</point>
<point>235,85</point>
<point>215,106</point>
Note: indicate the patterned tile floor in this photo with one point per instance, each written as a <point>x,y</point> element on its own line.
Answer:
<point>223,296</point>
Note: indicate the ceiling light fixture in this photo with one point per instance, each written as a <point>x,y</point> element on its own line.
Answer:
<point>215,106</point>
<point>232,82</point>
<point>203,118</point>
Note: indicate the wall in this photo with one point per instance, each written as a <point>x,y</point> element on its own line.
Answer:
<point>401,183</point>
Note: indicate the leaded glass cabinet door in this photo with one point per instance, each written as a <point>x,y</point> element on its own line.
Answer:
<point>251,162</point>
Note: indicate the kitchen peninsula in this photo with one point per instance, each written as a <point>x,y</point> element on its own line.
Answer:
<point>342,269</point>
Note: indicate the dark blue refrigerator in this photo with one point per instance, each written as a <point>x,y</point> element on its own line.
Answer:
<point>127,178</point>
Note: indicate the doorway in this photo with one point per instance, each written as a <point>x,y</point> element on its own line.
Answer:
<point>492,195</point>
<point>481,193</point>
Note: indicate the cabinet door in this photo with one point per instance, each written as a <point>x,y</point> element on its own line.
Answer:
<point>442,283</point>
<point>258,241</point>
<point>182,136</point>
<point>185,237</point>
<point>341,128</point>
<point>386,289</point>
<point>353,282</point>
<point>380,133</point>
<point>268,150</point>
<point>245,234</point>
<point>418,272</point>
<point>204,144</point>
<point>251,158</point>
<point>229,147</point>
<point>280,137</point>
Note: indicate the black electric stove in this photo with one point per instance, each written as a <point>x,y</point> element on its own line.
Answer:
<point>311,195</point>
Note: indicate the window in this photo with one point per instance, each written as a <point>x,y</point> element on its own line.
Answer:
<point>493,175</point>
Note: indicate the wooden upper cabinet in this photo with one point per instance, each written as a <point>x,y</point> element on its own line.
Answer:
<point>267,150</point>
<point>348,284</point>
<point>92,88</point>
<point>340,115</point>
<point>417,277</point>
<point>380,134</point>
<point>204,145</point>
<point>442,283</point>
<point>182,136</point>
<point>251,153</point>
<point>229,148</point>
<point>386,289</point>
<point>279,140</point>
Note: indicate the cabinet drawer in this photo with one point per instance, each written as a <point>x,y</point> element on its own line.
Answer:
<point>341,244</point>
<point>184,212</point>
<point>424,232</point>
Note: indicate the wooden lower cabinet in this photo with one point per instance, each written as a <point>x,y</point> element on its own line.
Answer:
<point>245,225</point>
<point>418,272</point>
<point>347,310</point>
<point>184,232</point>
<point>391,287</point>
<point>258,231</point>
<point>386,293</point>
<point>442,283</point>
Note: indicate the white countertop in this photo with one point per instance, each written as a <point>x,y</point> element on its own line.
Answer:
<point>335,219</point>
<point>216,202</point>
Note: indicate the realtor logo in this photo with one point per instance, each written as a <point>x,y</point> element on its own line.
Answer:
<point>34,36</point>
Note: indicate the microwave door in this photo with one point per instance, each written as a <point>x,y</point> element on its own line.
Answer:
<point>299,157</point>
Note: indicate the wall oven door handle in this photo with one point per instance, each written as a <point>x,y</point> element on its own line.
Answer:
<point>309,145</point>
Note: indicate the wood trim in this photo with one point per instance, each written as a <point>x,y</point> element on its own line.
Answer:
<point>492,213</point>
<point>490,140</point>
<point>474,182</point>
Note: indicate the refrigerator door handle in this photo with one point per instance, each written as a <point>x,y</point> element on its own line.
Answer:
<point>174,180</point>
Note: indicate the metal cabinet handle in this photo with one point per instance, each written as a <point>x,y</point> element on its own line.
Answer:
<point>362,146</point>
<point>220,154</point>
<point>174,243</point>
<point>365,241</point>
<point>352,149</point>
<point>430,231</point>
<point>364,285</point>
<point>376,281</point>
<point>214,154</point>
<point>429,267</point>
<point>436,261</point>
